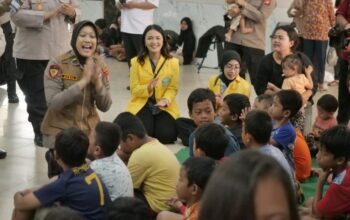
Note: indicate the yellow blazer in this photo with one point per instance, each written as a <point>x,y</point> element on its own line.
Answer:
<point>166,87</point>
<point>238,85</point>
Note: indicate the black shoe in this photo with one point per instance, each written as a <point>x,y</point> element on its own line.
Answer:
<point>13,98</point>
<point>53,169</point>
<point>38,140</point>
<point>3,154</point>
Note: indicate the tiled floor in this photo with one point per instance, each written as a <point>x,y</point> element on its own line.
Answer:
<point>25,166</point>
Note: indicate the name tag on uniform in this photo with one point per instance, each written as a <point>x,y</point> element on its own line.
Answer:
<point>67,76</point>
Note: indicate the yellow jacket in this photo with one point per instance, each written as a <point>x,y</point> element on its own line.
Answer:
<point>166,87</point>
<point>239,85</point>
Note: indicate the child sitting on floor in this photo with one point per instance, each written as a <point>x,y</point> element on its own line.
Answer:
<point>286,103</point>
<point>263,102</point>
<point>78,187</point>
<point>210,140</point>
<point>194,175</point>
<point>230,114</point>
<point>104,140</point>
<point>327,105</point>
<point>333,157</point>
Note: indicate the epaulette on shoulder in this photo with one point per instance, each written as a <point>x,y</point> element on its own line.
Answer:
<point>66,57</point>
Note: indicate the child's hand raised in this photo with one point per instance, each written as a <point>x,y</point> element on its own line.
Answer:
<point>308,70</point>
<point>244,113</point>
<point>174,203</point>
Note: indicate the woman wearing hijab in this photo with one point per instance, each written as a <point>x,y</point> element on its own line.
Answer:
<point>75,84</point>
<point>188,39</point>
<point>229,80</point>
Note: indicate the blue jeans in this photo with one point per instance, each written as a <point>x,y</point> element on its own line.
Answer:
<point>316,50</point>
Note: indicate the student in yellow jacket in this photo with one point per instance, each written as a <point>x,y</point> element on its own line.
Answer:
<point>154,79</point>
<point>229,80</point>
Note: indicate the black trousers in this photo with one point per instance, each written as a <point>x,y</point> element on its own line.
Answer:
<point>32,85</point>
<point>132,45</point>
<point>185,127</point>
<point>161,126</point>
<point>343,93</point>
<point>251,58</point>
<point>8,70</point>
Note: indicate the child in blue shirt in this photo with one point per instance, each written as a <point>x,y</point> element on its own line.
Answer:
<point>78,187</point>
<point>286,103</point>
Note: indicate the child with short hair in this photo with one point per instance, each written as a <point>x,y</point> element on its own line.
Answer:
<point>333,157</point>
<point>129,208</point>
<point>194,175</point>
<point>78,187</point>
<point>249,185</point>
<point>104,141</point>
<point>230,113</point>
<point>203,111</point>
<point>202,105</point>
<point>286,103</point>
<point>256,133</point>
<point>154,169</point>
<point>263,102</point>
<point>210,140</point>
<point>294,78</point>
<point>327,105</point>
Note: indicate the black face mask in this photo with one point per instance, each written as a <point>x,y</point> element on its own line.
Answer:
<point>75,34</point>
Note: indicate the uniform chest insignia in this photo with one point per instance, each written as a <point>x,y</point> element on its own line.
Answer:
<point>67,76</point>
<point>267,2</point>
<point>53,71</point>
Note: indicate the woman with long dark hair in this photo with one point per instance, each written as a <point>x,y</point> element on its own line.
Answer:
<point>154,79</point>
<point>188,39</point>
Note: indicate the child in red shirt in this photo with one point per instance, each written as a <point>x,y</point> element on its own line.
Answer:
<point>333,157</point>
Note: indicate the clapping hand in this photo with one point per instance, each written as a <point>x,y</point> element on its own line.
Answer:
<point>152,84</point>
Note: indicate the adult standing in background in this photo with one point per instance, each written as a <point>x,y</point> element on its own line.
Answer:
<point>318,18</point>
<point>343,19</point>
<point>42,34</point>
<point>251,46</point>
<point>7,62</point>
<point>136,15</point>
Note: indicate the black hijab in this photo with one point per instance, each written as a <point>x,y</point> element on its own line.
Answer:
<point>227,57</point>
<point>75,34</point>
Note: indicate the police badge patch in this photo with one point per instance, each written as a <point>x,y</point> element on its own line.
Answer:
<point>53,71</point>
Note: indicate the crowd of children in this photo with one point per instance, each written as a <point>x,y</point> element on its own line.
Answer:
<point>142,179</point>
<point>243,163</point>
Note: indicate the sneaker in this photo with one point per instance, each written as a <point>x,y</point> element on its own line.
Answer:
<point>13,98</point>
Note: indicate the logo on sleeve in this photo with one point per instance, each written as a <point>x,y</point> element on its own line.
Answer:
<point>53,71</point>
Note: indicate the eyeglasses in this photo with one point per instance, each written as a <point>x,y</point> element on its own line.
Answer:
<point>234,67</point>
